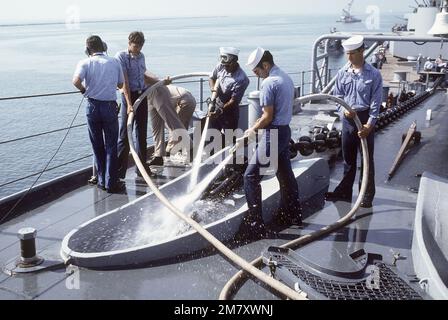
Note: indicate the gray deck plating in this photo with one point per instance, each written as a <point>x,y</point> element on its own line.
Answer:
<point>385,230</point>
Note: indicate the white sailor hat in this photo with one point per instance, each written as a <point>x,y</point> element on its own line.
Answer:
<point>353,43</point>
<point>229,50</point>
<point>228,55</point>
<point>255,58</point>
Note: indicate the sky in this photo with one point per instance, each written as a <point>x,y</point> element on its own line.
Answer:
<point>61,10</point>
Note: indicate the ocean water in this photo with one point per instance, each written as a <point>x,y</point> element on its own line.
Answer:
<point>37,59</point>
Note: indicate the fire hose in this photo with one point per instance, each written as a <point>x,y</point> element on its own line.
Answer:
<point>246,266</point>
<point>238,280</point>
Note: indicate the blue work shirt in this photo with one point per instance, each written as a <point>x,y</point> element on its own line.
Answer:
<point>231,85</point>
<point>277,90</point>
<point>134,67</point>
<point>362,91</point>
<point>101,75</point>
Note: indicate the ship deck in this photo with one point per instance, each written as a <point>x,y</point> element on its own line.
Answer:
<point>385,229</point>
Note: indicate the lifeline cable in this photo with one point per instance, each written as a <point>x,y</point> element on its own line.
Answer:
<point>237,281</point>
<point>275,284</point>
<point>38,95</point>
<point>45,168</point>
<point>41,134</point>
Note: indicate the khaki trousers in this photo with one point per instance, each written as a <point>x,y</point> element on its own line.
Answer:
<point>172,107</point>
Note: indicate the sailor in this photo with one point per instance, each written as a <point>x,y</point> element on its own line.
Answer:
<point>429,65</point>
<point>439,60</point>
<point>137,80</point>
<point>163,112</point>
<point>440,64</point>
<point>381,57</point>
<point>135,83</point>
<point>419,63</point>
<point>361,86</point>
<point>233,82</point>
<point>276,101</point>
<point>184,104</point>
<point>98,77</point>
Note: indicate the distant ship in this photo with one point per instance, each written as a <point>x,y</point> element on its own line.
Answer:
<point>335,45</point>
<point>346,16</point>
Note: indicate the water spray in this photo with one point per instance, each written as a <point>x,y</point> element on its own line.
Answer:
<point>275,284</point>
<point>198,158</point>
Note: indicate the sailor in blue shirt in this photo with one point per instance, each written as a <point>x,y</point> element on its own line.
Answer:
<point>233,82</point>
<point>361,86</point>
<point>137,80</point>
<point>134,67</point>
<point>98,78</point>
<point>276,100</point>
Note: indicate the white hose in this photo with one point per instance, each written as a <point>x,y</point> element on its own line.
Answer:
<point>240,278</point>
<point>276,285</point>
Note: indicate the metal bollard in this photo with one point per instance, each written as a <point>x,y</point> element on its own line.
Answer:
<point>27,238</point>
<point>255,111</point>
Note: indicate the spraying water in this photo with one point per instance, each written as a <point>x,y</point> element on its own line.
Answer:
<point>198,158</point>
<point>159,225</point>
<point>200,187</point>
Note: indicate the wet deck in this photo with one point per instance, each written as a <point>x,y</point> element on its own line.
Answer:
<point>385,229</point>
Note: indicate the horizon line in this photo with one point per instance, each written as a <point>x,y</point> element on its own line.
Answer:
<point>98,20</point>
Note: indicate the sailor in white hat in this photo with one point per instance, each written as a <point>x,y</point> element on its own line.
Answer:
<point>255,58</point>
<point>232,83</point>
<point>228,55</point>
<point>353,43</point>
<point>361,86</point>
<point>276,101</point>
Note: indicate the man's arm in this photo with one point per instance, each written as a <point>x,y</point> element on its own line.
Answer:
<point>213,79</point>
<point>238,91</point>
<point>265,120</point>
<point>151,79</point>
<point>127,93</point>
<point>338,91</point>
<point>123,81</point>
<point>77,82</point>
<point>79,76</point>
<point>212,83</point>
<point>377,99</point>
<point>267,100</point>
<point>231,103</point>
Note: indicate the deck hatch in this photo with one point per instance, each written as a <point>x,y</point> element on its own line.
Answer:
<point>319,285</point>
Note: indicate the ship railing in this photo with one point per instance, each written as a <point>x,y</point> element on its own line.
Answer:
<point>302,81</point>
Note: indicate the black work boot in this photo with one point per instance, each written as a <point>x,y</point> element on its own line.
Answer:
<point>156,161</point>
<point>285,218</point>
<point>253,227</point>
<point>147,168</point>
